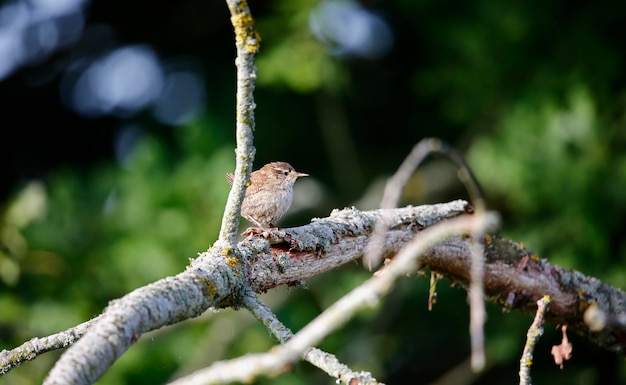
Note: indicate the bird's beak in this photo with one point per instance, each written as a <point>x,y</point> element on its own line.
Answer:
<point>301,174</point>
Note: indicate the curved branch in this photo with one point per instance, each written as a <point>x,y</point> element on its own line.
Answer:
<point>319,358</point>
<point>207,282</point>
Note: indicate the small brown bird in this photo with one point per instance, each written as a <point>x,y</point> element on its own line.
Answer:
<point>269,193</point>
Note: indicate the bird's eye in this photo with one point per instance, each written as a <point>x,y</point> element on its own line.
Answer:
<point>285,173</point>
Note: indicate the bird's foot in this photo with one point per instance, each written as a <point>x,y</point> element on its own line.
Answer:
<point>262,232</point>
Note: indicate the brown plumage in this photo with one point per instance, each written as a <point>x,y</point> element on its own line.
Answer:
<point>269,193</point>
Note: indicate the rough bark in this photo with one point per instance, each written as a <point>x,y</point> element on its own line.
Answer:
<point>515,278</point>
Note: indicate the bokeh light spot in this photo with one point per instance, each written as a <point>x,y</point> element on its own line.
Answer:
<point>182,98</point>
<point>122,82</point>
<point>349,29</point>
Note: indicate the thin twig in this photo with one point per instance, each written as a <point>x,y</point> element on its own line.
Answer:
<point>476,298</point>
<point>319,358</point>
<point>395,185</point>
<point>532,337</point>
<point>391,196</point>
<point>29,350</point>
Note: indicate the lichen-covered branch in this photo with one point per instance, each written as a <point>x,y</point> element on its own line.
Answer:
<point>247,42</point>
<point>319,358</point>
<point>368,294</point>
<point>299,253</point>
<point>532,337</point>
<point>216,278</point>
<point>515,278</point>
<point>207,282</point>
<point>31,349</point>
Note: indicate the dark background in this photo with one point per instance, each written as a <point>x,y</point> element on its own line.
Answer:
<point>95,204</point>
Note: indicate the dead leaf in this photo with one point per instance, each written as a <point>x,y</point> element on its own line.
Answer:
<point>562,352</point>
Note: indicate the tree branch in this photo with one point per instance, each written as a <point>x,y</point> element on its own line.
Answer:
<point>391,195</point>
<point>515,278</point>
<point>532,337</point>
<point>319,358</point>
<point>299,253</point>
<point>31,349</point>
<point>368,294</point>
<point>207,282</point>
<point>215,279</point>
<point>247,42</point>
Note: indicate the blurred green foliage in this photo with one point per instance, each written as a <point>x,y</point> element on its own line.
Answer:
<point>532,90</point>
<point>552,166</point>
<point>296,61</point>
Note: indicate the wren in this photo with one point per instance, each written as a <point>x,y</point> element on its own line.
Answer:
<point>269,193</point>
